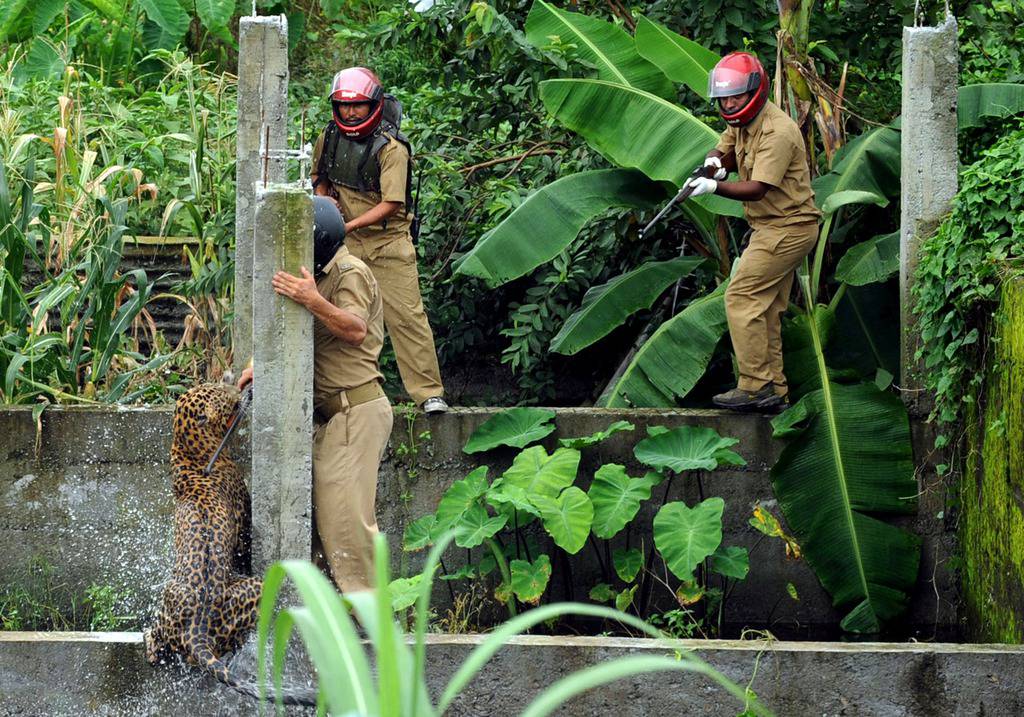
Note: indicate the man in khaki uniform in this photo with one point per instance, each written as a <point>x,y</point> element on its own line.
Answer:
<point>353,416</point>
<point>767,150</point>
<point>362,161</point>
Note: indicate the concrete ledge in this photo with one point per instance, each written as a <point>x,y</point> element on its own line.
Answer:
<point>95,503</point>
<point>105,674</point>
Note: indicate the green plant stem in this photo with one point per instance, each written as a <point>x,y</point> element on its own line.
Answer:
<point>645,591</point>
<point>451,591</point>
<point>600,560</point>
<point>499,558</point>
<point>819,258</point>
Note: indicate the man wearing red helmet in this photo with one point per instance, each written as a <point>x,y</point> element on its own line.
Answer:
<point>364,163</point>
<point>765,147</point>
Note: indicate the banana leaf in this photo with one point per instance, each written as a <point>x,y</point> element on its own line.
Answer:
<point>636,129</point>
<point>599,44</point>
<point>605,307</point>
<point>681,59</point>
<point>874,260</point>
<point>976,104</point>
<point>674,358</point>
<point>848,456</point>
<point>870,164</point>
<point>547,222</point>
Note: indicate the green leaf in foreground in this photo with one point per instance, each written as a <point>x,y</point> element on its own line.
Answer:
<point>517,427</point>
<point>529,580</point>
<point>567,518</point>
<point>876,259</point>
<point>732,562</point>
<point>602,592</point>
<point>688,448</point>
<point>686,536</point>
<point>476,525</point>
<point>625,598</point>
<point>404,592</point>
<point>627,563</point>
<point>419,534</point>
<point>460,497</point>
<point>540,474</point>
<point>617,497</point>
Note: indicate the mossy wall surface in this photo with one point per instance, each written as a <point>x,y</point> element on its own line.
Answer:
<point>992,489</point>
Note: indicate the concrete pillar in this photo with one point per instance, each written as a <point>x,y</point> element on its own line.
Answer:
<point>929,171</point>
<point>282,409</point>
<point>262,102</point>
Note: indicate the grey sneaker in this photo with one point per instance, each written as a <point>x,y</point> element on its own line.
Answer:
<point>434,404</point>
<point>764,399</point>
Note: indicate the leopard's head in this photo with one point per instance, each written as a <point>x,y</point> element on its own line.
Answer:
<point>201,417</point>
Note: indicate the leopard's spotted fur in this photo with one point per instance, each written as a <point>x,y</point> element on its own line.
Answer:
<point>210,603</point>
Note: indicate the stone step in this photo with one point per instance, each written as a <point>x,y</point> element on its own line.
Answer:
<point>105,674</point>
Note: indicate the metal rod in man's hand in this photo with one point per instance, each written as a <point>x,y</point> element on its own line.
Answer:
<point>682,195</point>
<point>240,409</point>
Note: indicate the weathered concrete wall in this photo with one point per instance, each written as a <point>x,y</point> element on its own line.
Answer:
<point>928,173</point>
<point>992,486</point>
<point>96,504</point>
<point>105,674</point>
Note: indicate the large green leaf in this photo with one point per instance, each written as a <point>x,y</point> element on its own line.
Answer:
<point>539,474</point>
<point>674,358</point>
<point>605,307</point>
<point>627,563</point>
<point>681,59</point>
<point>874,260</point>
<point>460,497</point>
<point>547,222</point>
<point>869,163</point>
<point>516,427</point>
<point>732,562</point>
<point>476,525</point>
<point>688,448</point>
<point>529,580</point>
<point>848,455</point>
<point>978,103</point>
<point>600,44</point>
<point>567,518</point>
<point>617,497</point>
<point>169,15</point>
<point>216,14</point>
<point>686,536</point>
<point>419,534</point>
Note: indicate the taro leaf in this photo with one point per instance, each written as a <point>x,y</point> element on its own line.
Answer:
<point>169,15</point>
<point>529,580</point>
<point>689,593</point>
<point>460,496</point>
<point>656,430</point>
<point>765,522</point>
<point>404,592</point>
<point>567,518</point>
<point>627,563</point>
<point>539,474</point>
<point>876,259</point>
<point>595,438</point>
<point>476,525</point>
<point>419,533</point>
<point>688,448</point>
<point>216,14</point>
<point>516,427</point>
<point>602,592</point>
<point>503,593</point>
<point>791,591</point>
<point>625,598</point>
<point>616,498</point>
<point>732,562</point>
<point>686,536</point>
<point>505,497</point>
<point>466,572</point>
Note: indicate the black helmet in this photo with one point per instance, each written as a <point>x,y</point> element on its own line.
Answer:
<point>328,232</point>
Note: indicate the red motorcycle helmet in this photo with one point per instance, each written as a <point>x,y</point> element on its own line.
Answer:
<point>736,73</point>
<point>355,85</point>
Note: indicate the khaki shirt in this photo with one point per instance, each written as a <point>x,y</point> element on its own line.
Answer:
<point>394,173</point>
<point>338,366</point>
<point>771,150</point>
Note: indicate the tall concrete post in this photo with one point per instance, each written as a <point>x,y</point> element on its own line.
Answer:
<point>262,104</point>
<point>282,408</point>
<point>929,172</point>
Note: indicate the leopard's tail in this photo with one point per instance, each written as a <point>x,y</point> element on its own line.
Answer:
<point>204,655</point>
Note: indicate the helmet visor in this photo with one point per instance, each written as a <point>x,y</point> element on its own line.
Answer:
<point>726,82</point>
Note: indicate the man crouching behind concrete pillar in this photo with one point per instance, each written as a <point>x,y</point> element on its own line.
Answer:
<point>353,416</point>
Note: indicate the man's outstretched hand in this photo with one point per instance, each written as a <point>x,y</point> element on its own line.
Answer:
<point>245,379</point>
<point>301,289</point>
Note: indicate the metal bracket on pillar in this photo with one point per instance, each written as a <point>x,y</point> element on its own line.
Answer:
<point>302,155</point>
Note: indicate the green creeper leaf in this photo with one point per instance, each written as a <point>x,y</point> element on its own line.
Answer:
<point>606,306</point>
<point>595,438</point>
<point>216,14</point>
<point>516,427</point>
<point>602,592</point>
<point>567,518</point>
<point>627,563</point>
<point>732,562</point>
<point>460,496</point>
<point>876,259</point>
<point>169,15</point>
<point>419,534</point>
<point>616,498</point>
<point>625,598</point>
<point>686,536</point>
<point>475,526</point>
<point>539,474</point>
<point>681,59</point>
<point>530,580</point>
<point>688,448</point>
<point>404,592</point>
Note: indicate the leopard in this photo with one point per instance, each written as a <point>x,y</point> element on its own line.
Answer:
<point>210,603</point>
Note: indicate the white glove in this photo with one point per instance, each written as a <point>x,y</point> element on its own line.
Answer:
<point>702,185</point>
<point>720,172</point>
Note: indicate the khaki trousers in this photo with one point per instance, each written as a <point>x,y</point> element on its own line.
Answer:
<point>347,451</point>
<point>757,297</point>
<point>393,263</point>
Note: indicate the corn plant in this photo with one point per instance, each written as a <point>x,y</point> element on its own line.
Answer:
<point>346,685</point>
